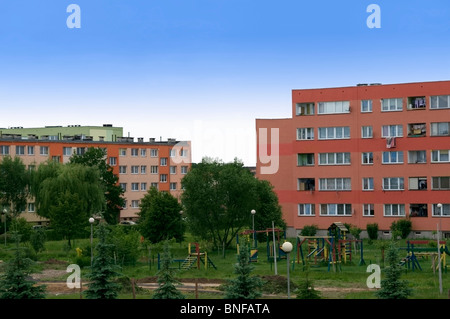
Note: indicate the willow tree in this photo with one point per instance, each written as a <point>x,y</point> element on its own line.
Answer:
<point>67,195</point>
<point>14,182</point>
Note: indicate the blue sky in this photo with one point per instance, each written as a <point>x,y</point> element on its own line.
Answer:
<point>204,70</point>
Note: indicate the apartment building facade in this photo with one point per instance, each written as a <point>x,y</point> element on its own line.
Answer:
<point>138,164</point>
<point>366,154</point>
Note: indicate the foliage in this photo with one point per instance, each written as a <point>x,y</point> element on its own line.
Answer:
<point>160,217</point>
<point>37,239</point>
<point>103,273</point>
<point>22,227</point>
<point>306,290</point>
<point>355,231</point>
<point>126,244</point>
<point>114,201</point>
<point>14,182</point>
<point>392,287</point>
<point>309,230</point>
<point>372,231</point>
<point>402,228</point>
<point>15,282</point>
<point>219,197</point>
<point>166,279</point>
<point>244,286</point>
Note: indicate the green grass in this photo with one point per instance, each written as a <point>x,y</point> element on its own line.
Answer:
<point>348,282</point>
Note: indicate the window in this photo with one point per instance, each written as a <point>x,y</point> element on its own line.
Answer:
<point>440,129</point>
<point>43,150</point>
<point>122,169</point>
<point>367,158</point>
<point>183,153</point>
<point>163,178</point>
<point>125,204</point>
<point>367,183</point>
<point>440,102</point>
<point>366,106</point>
<point>334,158</point>
<point>173,186</point>
<point>113,161</point>
<point>20,150</point>
<point>334,107</point>
<point>306,184</point>
<point>394,210</point>
<point>335,184</point>
<point>368,210</point>
<point>334,133</point>
<point>305,133</point>
<point>56,158</point>
<point>135,204</point>
<point>31,167</point>
<point>155,185</point>
<point>440,183</point>
<point>143,187</point>
<point>416,102</point>
<point>392,131</point>
<point>443,211</point>
<point>30,150</point>
<point>143,169</point>
<point>81,150</point>
<point>306,159</point>
<point>440,156</point>
<point>417,130</point>
<point>153,152</point>
<point>395,157</point>
<point>134,169</point>
<point>392,104</point>
<point>393,184</point>
<point>124,186</point>
<point>184,170</point>
<point>336,209</point>
<point>163,161</point>
<point>418,210</point>
<point>304,108</point>
<point>306,210</point>
<point>173,152</point>
<point>31,207</point>
<point>417,183</point>
<point>134,187</point>
<point>366,132</point>
<point>4,150</point>
<point>143,152</point>
<point>134,152</point>
<point>173,170</point>
<point>153,169</point>
<point>67,151</point>
<point>417,157</point>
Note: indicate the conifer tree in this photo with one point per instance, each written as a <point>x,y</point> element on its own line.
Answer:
<point>392,287</point>
<point>103,271</point>
<point>166,278</point>
<point>244,286</point>
<point>15,282</point>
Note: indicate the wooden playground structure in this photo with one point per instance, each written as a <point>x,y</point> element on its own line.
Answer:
<point>194,259</point>
<point>416,249</point>
<point>280,254</point>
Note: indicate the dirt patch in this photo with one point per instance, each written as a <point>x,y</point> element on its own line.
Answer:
<point>47,274</point>
<point>154,279</point>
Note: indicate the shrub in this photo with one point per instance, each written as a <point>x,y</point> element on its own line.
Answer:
<point>309,230</point>
<point>372,231</point>
<point>401,227</point>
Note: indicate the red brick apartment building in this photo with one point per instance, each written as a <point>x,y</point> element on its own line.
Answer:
<point>139,164</point>
<point>371,153</point>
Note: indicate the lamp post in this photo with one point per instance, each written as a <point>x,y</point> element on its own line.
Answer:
<point>439,248</point>
<point>287,248</point>
<point>4,215</point>
<point>91,221</point>
<point>253,212</point>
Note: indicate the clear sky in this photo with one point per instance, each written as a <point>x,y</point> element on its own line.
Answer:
<point>204,70</point>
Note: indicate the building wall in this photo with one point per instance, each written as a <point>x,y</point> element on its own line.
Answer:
<point>286,178</point>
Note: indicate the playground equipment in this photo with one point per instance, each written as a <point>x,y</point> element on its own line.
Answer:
<point>411,261</point>
<point>333,249</point>
<point>193,259</point>
<point>269,245</point>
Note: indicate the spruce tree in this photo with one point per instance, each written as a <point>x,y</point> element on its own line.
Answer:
<point>103,270</point>
<point>244,286</point>
<point>392,287</point>
<point>15,282</point>
<point>166,278</point>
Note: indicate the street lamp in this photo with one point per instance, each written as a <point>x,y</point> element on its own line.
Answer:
<point>91,221</point>
<point>253,212</point>
<point>4,214</point>
<point>287,248</point>
<point>439,248</point>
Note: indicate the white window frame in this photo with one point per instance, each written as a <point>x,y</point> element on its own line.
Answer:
<point>134,187</point>
<point>393,157</point>
<point>367,158</point>
<point>388,210</point>
<point>437,155</point>
<point>44,150</point>
<point>154,152</point>
<point>367,184</point>
<point>308,157</point>
<point>388,184</point>
<point>154,169</point>
<point>414,159</point>
<point>134,169</point>
<point>366,132</point>
<point>307,108</point>
<point>433,182</point>
<point>368,210</point>
<point>333,107</point>
<point>333,209</point>
<point>67,151</point>
<point>344,155</point>
<point>438,127</point>
<point>184,170</point>
<point>20,150</point>
<point>306,210</point>
<point>335,184</point>
<point>395,130</point>
<point>436,100</point>
<point>394,105</point>
<point>163,178</point>
<point>436,211</point>
<point>122,169</point>
<point>305,134</point>
<point>366,104</point>
<point>163,161</point>
<point>331,133</point>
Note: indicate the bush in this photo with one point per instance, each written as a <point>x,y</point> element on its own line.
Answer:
<point>402,228</point>
<point>372,231</point>
<point>309,230</point>
<point>22,227</point>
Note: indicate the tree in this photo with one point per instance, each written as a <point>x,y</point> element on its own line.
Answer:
<point>114,200</point>
<point>402,228</point>
<point>392,287</point>
<point>37,239</point>
<point>14,182</point>
<point>103,272</point>
<point>166,279</point>
<point>160,217</point>
<point>218,199</point>
<point>244,286</point>
<point>15,282</point>
<point>67,195</point>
